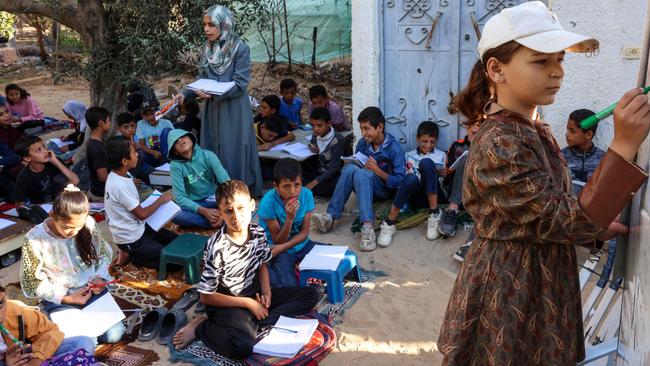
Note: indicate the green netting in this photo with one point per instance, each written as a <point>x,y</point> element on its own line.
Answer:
<point>333,18</point>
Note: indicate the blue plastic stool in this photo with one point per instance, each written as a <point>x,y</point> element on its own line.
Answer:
<point>186,250</point>
<point>334,279</point>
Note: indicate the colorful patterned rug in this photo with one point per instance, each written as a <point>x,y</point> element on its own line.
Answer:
<point>146,279</point>
<point>120,354</point>
<point>320,345</point>
<point>135,303</point>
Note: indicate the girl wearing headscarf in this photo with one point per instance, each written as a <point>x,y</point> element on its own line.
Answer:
<point>227,118</point>
<point>75,111</point>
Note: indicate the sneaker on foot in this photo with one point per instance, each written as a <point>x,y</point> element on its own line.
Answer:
<point>462,252</point>
<point>368,241</point>
<point>324,222</point>
<point>433,225</point>
<point>448,225</point>
<point>386,234</point>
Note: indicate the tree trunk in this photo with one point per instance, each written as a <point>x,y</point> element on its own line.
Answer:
<point>286,27</point>
<point>38,25</point>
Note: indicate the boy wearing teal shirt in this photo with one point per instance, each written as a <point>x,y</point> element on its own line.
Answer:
<point>195,174</point>
<point>285,213</point>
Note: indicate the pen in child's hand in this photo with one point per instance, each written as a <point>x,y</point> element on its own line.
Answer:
<point>591,121</point>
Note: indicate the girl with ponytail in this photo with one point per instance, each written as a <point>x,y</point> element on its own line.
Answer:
<point>516,300</point>
<point>66,254</point>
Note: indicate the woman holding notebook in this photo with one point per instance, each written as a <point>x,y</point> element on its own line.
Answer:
<point>65,259</point>
<point>227,118</point>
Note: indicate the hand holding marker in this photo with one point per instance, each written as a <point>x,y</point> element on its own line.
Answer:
<point>591,121</point>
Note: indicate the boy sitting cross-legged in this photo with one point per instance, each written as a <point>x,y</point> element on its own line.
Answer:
<point>195,174</point>
<point>379,178</point>
<point>285,214</point>
<point>235,282</point>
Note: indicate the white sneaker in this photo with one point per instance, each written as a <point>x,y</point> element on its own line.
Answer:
<point>368,241</point>
<point>324,222</point>
<point>433,225</point>
<point>386,234</point>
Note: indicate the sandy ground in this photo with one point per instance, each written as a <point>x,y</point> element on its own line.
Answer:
<point>396,321</point>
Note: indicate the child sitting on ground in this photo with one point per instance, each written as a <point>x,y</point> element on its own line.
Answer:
<point>420,187</point>
<point>21,105</point>
<point>152,135</point>
<point>76,111</point>
<point>126,126</point>
<point>125,215</point>
<point>66,254</point>
<point>191,121</point>
<point>290,105</point>
<point>9,165</point>
<point>318,98</point>
<point>43,177</point>
<point>453,183</point>
<point>195,174</point>
<point>379,178</point>
<point>235,282</point>
<point>99,122</point>
<point>285,214</point>
<point>46,340</point>
<point>269,106</point>
<point>581,154</point>
<point>271,131</point>
<point>9,135</point>
<point>322,172</point>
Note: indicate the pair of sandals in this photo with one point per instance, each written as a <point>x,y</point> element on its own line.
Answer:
<point>162,324</point>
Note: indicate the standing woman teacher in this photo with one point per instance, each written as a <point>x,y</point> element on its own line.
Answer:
<point>227,119</point>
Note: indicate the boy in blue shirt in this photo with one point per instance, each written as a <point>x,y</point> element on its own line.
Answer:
<point>152,136</point>
<point>379,177</point>
<point>581,154</point>
<point>284,214</point>
<point>195,174</point>
<point>290,105</point>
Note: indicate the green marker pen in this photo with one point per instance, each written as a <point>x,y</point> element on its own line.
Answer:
<point>591,121</point>
<point>13,339</point>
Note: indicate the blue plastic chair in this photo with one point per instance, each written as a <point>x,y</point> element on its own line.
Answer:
<point>334,279</point>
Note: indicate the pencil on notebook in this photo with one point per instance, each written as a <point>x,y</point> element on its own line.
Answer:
<point>285,329</point>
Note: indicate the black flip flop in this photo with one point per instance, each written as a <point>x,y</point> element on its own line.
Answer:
<point>190,296</point>
<point>151,324</point>
<point>173,321</point>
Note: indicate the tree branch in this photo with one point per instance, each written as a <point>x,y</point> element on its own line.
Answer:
<point>66,15</point>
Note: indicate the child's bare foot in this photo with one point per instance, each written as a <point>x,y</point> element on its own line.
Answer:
<point>122,257</point>
<point>185,335</point>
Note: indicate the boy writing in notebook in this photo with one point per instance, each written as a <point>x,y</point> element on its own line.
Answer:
<point>135,240</point>
<point>285,213</point>
<point>235,284</point>
<point>323,171</point>
<point>44,176</point>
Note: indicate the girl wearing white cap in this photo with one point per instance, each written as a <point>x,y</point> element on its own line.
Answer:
<point>516,300</point>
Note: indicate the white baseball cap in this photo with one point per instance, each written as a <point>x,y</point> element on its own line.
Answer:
<point>531,24</point>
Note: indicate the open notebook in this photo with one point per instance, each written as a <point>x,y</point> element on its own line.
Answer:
<point>210,86</point>
<point>358,159</point>
<point>93,320</point>
<point>287,337</point>
<point>163,214</point>
<point>295,149</point>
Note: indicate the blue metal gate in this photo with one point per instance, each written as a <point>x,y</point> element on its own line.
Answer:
<point>428,50</point>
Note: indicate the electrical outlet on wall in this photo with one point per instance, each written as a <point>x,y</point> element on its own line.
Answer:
<point>631,52</point>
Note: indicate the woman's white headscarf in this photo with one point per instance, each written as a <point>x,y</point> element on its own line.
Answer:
<point>219,55</point>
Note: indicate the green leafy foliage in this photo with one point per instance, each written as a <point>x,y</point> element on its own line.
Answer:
<point>6,24</point>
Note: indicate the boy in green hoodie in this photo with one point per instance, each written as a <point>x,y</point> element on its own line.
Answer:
<point>195,174</point>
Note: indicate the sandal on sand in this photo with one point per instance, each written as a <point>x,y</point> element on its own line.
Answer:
<point>151,324</point>
<point>173,321</point>
<point>190,296</point>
